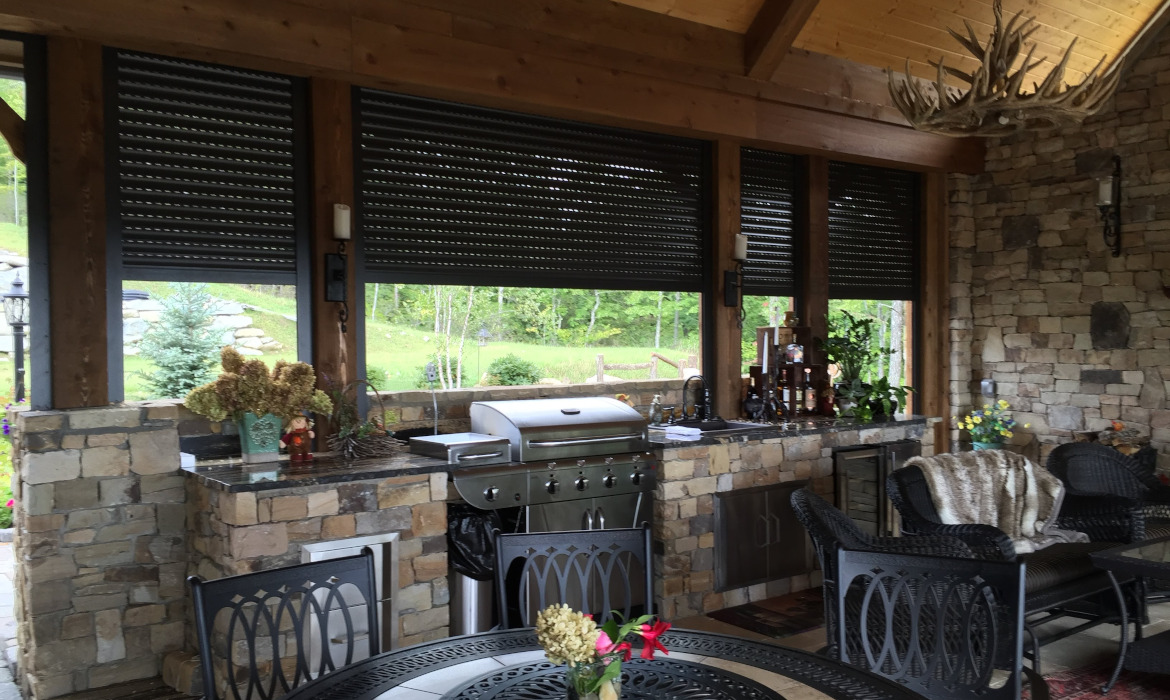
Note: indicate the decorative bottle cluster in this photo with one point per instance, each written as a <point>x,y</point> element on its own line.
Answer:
<point>783,386</point>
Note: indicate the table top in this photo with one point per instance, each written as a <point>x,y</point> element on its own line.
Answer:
<point>1145,558</point>
<point>510,664</point>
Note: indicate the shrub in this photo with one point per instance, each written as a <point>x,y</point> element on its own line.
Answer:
<point>376,377</point>
<point>182,345</point>
<point>512,370</point>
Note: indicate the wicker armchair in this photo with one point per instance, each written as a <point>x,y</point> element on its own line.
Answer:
<point>1059,579</point>
<point>1110,495</point>
<point>830,530</point>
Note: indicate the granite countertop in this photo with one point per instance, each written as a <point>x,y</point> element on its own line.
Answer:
<point>814,425</point>
<point>233,475</point>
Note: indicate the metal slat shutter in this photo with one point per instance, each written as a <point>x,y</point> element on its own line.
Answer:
<point>768,193</point>
<point>204,162</point>
<point>873,232</point>
<point>461,194</point>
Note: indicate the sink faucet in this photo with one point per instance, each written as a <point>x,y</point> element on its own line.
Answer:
<point>703,405</point>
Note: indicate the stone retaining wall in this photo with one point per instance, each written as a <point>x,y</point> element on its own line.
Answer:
<point>100,546</point>
<point>684,506</point>
<point>1074,337</point>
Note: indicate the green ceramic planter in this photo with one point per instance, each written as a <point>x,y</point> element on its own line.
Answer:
<point>987,445</point>
<point>260,438</point>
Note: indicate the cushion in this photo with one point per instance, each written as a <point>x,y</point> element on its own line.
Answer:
<point>1061,563</point>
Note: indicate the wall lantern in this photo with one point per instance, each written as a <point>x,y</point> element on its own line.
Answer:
<point>16,313</point>
<point>1109,204</point>
<point>336,280</point>
<point>733,279</point>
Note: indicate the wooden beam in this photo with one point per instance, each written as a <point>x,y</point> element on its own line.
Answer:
<point>814,259</point>
<point>768,40</point>
<point>331,118</point>
<point>12,129</point>
<point>77,224</point>
<point>934,335</point>
<point>725,200</point>
<point>540,64</point>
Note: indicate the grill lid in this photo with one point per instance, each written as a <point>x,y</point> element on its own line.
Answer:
<point>549,429</point>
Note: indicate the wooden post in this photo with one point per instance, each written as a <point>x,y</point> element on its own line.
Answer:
<point>77,225</point>
<point>815,258</point>
<point>331,117</point>
<point>934,394</point>
<point>726,384</point>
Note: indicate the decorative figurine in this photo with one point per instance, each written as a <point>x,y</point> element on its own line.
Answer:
<point>298,440</point>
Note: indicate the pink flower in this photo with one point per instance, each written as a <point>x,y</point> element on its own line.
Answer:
<point>650,634</point>
<point>11,502</point>
<point>606,646</point>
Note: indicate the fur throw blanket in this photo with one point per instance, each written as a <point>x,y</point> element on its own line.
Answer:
<point>999,488</point>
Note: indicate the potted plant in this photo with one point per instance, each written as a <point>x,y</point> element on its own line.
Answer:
<point>989,428</point>
<point>850,346</point>
<point>258,400</point>
<point>359,437</point>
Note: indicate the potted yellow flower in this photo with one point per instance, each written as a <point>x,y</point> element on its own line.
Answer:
<point>990,427</point>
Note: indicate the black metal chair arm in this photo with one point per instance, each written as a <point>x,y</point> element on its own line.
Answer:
<point>987,540</point>
<point>924,544</point>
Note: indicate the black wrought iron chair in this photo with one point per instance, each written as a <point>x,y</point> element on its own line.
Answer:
<point>593,571</point>
<point>1114,495</point>
<point>271,631</point>
<point>941,627</point>
<point>1060,580</point>
<point>831,530</point>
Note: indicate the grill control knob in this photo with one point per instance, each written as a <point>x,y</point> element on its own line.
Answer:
<point>636,478</point>
<point>552,485</point>
<point>609,481</point>
<point>581,483</point>
<point>491,493</point>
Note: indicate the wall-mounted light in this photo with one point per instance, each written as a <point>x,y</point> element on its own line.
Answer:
<point>335,264</point>
<point>1109,203</point>
<point>733,279</point>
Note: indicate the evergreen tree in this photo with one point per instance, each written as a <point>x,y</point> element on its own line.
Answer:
<point>182,345</point>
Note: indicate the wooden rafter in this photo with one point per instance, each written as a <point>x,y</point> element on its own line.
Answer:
<point>12,129</point>
<point>772,33</point>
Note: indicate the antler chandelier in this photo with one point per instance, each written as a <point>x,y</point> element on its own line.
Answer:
<point>995,103</point>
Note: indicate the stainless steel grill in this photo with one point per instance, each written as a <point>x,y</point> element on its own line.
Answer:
<point>579,463</point>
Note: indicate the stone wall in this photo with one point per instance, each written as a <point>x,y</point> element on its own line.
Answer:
<point>684,505</point>
<point>1074,337</point>
<point>411,410</point>
<point>100,546</point>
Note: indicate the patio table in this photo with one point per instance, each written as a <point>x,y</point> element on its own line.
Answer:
<point>510,664</point>
<point>1146,559</point>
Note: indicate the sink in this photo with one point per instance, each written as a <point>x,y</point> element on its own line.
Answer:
<point>718,425</point>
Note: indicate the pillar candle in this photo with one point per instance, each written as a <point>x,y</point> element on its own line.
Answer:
<point>741,247</point>
<point>340,222</point>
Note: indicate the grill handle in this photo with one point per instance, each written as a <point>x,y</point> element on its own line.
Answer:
<point>584,440</point>
<point>586,520</point>
<point>470,457</point>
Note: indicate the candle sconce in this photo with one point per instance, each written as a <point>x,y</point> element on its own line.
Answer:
<point>1109,204</point>
<point>733,279</point>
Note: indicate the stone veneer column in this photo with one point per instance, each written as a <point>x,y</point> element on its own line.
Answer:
<point>100,545</point>
<point>684,506</point>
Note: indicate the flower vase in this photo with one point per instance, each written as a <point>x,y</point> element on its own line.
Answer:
<point>986,445</point>
<point>260,438</point>
<point>579,678</point>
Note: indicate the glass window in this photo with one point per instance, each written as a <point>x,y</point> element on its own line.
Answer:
<point>892,337</point>
<point>501,336</point>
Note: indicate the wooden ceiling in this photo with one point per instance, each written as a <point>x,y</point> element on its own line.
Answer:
<point>884,33</point>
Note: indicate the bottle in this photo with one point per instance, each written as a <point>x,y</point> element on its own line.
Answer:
<point>656,410</point>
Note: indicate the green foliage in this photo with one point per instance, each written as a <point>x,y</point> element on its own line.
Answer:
<point>182,345</point>
<point>512,370</point>
<point>851,345</point>
<point>376,377</point>
<point>420,377</point>
<point>867,400</point>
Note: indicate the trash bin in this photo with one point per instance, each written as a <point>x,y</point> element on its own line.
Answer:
<point>471,555</point>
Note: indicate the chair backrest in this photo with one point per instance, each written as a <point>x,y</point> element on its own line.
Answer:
<point>909,491</point>
<point>270,631</point>
<point>593,571</point>
<point>939,626</point>
<point>1092,469</point>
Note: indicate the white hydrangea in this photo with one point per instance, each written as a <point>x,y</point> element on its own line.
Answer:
<point>566,635</point>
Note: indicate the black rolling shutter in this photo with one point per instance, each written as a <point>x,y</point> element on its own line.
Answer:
<point>873,232</point>
<point>203,157</point>
<point>452,193</point>
<point>768,209</point>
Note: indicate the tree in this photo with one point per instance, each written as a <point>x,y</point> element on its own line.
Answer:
<point>182,345</point>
